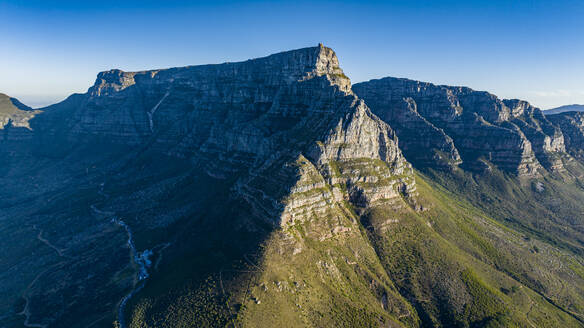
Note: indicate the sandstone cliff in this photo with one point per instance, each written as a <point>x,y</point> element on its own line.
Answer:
<point>282,140</point>
<point>449,125</point>
<point>572,125</point>
<point>266,193</point>
<point>259,115</point>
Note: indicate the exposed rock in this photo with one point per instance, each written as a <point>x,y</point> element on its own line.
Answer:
<point>273,172</point>
<point>546,139</point>
<point>572,125</point>
<point>14,114</point>
<point>422,142</point>
<point>259,116</point>
<point>441,125</point>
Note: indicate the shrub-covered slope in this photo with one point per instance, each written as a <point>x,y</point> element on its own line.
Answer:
<point>266,193</point>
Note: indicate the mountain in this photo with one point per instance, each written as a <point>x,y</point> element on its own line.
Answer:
<point>272,192</point>
<point>13,112</point>
<point>565,108</point>
<point>572,123</point>
<point>463,126</point>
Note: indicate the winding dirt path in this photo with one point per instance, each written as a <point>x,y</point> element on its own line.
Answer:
<point>26,311</point>
<point>60,251</point>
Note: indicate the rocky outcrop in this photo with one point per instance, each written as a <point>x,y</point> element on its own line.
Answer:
<point>14,115</point>
<point>572,125</point>
<point>259,117</point>
<point>422,142</point>
<point>443,126</point>
<point>174,194</point>
<point>546,139</point>
<point>214,155</point>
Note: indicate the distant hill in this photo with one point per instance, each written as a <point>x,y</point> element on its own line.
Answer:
<point>8,104</point>
<point>565,108</point>
<point>14,112</point>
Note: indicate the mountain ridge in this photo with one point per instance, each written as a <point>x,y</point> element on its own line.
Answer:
<point>271,192</point>
<point>526,137</point>
<point>565,108</point>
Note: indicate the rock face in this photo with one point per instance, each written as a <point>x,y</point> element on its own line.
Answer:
<point>572,125</point>
<point>219,195</point>
<point>283,138</point>
<point>444,126</point>
<point>269,110</point>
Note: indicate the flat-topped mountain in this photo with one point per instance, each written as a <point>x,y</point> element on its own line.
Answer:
<point>271,192</point>
<point>276,140</point>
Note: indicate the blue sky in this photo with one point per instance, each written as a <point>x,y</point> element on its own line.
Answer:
<point>532,50</point>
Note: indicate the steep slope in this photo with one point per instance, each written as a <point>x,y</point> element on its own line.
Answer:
<point>14,113</point>
<point>544,204</point>
<point>572,125</point>
<point>453,121</point>
<point>199,159</point>
<point>266,193</point>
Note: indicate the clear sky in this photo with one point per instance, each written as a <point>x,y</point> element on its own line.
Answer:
<point>529,49</point>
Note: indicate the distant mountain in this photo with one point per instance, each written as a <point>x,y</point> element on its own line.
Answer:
<point>7,102</point>
<point>14,112</point>
<point>273,193</point>
<point>566,108</point>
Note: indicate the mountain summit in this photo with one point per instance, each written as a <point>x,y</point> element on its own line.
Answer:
<point>272,192</point>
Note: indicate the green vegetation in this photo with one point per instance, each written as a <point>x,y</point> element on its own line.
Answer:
<point>459,261</point>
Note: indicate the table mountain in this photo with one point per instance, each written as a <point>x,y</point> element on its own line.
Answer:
<point>267,193</point>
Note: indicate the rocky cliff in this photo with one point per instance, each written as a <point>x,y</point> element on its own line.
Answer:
<point>572,125</point>
<point>453,125</point>
<point>267,193</point>
<point>255,114</point>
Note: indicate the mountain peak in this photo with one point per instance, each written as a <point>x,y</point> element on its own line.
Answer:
<point>14,104</point>
<point>284,67</point>
<point>111,81</point>
<point>14,113</point>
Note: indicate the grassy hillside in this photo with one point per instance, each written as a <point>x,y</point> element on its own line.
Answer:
<point>457,262</point>
<point>460,267</point>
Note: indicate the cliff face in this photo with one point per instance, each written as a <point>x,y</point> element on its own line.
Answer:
<point>458,124</point>
<point>266,193</point>
<point>254,146</point>
<point>572,125</point>
<point>258,115</point>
